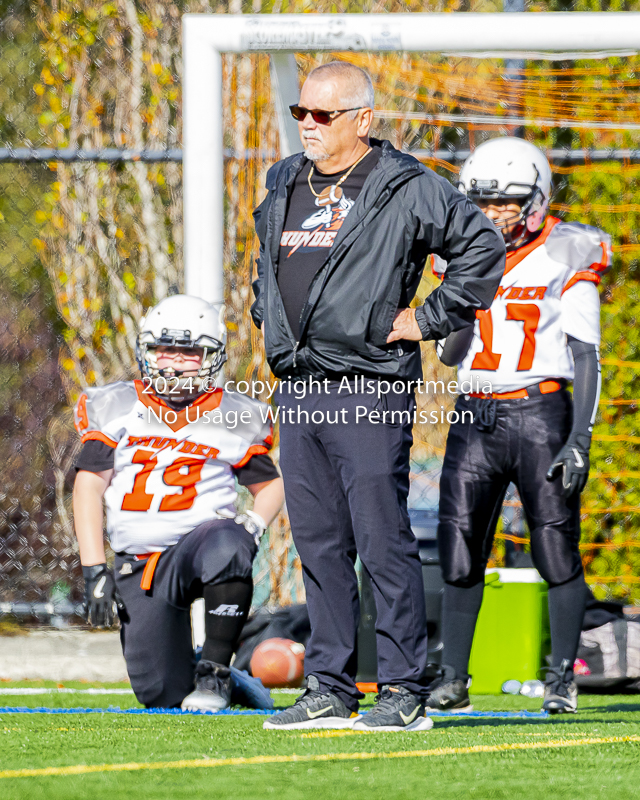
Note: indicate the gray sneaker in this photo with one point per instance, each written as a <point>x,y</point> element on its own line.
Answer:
<point>448,693</point>
<point>213,688</point>
<point>560,690</point>
<point>313,709</point>
<point>396,709</point>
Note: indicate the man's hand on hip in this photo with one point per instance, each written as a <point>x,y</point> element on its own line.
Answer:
<point>405,327</point>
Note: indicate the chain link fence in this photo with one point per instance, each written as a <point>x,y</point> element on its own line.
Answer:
<point>91,235</point>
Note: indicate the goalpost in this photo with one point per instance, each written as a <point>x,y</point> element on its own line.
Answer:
<point>206,37</point>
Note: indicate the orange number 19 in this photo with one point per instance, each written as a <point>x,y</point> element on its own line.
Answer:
<point>139,500</point>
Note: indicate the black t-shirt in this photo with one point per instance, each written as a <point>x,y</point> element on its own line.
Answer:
<point>310,228</point>
<point>97,456</point>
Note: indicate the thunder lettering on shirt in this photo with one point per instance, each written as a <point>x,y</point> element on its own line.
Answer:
<point>310,229</point>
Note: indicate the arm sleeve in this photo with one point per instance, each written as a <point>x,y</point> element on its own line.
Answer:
<point>453,349</point>
<point>95,456</point>
<point>259,469</point>
<point>586,386</point>
<point>580,311</point>
<point>458,232</point>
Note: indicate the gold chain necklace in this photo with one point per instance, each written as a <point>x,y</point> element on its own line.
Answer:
<point>332,194</point>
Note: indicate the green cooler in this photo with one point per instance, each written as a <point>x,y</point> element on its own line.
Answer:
<point>512,634</point>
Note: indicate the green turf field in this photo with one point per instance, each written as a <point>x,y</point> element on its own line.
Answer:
<point>595,754</point>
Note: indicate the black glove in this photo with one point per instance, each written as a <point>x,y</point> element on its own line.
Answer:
<point>573,459</point>
<point>100,596</point>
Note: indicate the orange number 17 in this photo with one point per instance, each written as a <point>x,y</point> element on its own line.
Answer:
<point>527,313</point>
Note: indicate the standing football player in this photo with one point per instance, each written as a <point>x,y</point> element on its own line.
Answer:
<point>542,331</point>
<point>164,453</point>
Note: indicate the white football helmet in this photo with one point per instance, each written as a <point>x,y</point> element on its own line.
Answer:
<point>506,169</point>
<point>183,321</point>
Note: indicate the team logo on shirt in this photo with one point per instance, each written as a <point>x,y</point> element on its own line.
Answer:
<point>166,443</point>
<point>320,228</point>
<point>521,292</point>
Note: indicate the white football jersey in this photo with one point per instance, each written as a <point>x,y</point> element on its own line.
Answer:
<point>172,469</point>
<point>548,291</point>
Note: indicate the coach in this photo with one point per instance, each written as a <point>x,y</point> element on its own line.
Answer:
<point>345,231</point>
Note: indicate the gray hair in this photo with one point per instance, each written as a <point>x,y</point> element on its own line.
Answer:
<point>358,90</point>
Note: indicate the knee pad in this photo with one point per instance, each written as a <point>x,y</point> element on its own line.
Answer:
<point>555,555</point>
<point>460,565</point>
<point>227,551</point>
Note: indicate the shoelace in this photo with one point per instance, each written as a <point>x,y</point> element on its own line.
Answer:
<point>309,697</point>
<point>559,687</point>
<point>387,700</point>
<point>559,684</point>
<point>211,680</point>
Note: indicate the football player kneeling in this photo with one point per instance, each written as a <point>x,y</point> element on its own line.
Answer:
<point>541,332</point>
<point>164,454</point>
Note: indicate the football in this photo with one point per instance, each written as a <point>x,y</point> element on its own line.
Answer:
<point>279,663</point>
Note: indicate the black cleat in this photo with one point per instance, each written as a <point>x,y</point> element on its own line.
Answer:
<point>448,693</point>
<point>396,709</point>
<point>213,688</point>
<point>560,690</point>
<point>313,709</point>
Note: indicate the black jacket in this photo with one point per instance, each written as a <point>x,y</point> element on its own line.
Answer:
<point>403,213</point>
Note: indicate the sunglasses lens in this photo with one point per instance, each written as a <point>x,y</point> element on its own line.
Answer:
<point>321,117</point>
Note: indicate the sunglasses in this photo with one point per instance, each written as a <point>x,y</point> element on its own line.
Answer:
<point>321,117</point>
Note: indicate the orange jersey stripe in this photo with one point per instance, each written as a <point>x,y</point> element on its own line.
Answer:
<point>583,275</point>
<point>254,450</point>
<point>99,437</point>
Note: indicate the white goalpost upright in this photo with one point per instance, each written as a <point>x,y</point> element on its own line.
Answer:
<point>205,37</point>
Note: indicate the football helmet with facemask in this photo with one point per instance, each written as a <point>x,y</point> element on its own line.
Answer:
<point>506,170</point>
<point>183,321</point>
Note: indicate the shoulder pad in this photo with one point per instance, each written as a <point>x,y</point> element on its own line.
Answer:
<point>580,247</point>
<point>99,405</point>
<point>259,429</point>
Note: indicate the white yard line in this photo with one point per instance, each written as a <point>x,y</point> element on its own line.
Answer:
<point>32,690</point>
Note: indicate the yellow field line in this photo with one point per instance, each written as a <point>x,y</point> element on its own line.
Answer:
<point>86,769</point>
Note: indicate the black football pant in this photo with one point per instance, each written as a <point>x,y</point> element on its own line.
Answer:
<point>478,467</point>
<point>346,487</point>
<point>156,624</point>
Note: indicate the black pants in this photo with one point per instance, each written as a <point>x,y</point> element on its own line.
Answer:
<point>156,624</point>
<point>478,467</point>
<point>346,486</point>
